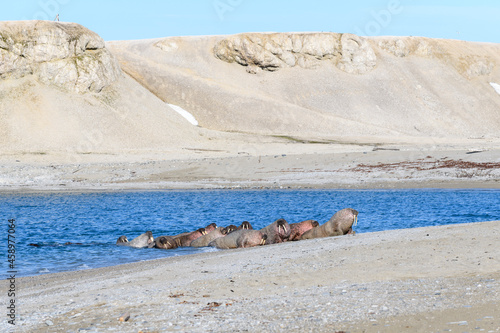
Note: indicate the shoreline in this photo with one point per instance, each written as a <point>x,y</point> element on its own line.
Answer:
<point>374,187</point>
<point>424,278</point>
<point>350,168</point>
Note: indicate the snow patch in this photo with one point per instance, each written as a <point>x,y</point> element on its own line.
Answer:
<point>495,86</point>
<point>188,116</point>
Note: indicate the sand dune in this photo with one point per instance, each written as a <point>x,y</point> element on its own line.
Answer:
<point>419,87</point>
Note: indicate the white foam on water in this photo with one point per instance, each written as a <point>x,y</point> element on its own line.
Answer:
<point>495,86</point>
<point>188,116</point>
<point>209,249</point>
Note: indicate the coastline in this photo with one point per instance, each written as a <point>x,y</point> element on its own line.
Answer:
<point>333,167</point>
<point>431,278</point>
<point>181,113</point>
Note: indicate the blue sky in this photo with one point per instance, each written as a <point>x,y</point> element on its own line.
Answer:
<point>124,19</point>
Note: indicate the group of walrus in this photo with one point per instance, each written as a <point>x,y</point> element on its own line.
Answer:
<point>232,237</point>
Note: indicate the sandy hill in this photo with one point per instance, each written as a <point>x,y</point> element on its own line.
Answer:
<point>325,85</point>
<point>63,89</point>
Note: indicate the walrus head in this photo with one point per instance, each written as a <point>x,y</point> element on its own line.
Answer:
<point>122,239</point>
<point>150,237</point>
<point>283,228</point>
<point>164,243</point>
<point>355,214</point>
<point>245,225</point>
<point>263,239</point>
<point>229,229</point>
<point>314,224</point>
<point>202,231</point>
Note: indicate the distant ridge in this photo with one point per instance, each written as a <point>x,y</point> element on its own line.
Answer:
<point>63,90</point>
<point>324,85</point>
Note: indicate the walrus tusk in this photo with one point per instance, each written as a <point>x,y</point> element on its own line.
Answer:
<point>356,220</point>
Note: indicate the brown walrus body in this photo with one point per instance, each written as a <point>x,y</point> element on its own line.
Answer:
<point>298,229</point>
<point>211,227</point>
<point>141,241</point>
<point>240,238</point>
<point>186,238</point>
<point>165,242</point>
<point>277,232</point>
<point>206,239</point>
<point>340,224</point>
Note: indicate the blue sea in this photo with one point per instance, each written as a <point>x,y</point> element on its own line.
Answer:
<point>96,220</point>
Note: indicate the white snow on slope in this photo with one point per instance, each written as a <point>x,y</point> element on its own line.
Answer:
<point>495,86</point>
<point>188,116</point>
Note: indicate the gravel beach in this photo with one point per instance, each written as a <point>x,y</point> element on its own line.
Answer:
<point>432,279</point>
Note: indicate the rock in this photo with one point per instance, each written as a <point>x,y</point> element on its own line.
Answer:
<point>397,47</point>
<point>467,64</point>
<point>475,66</point>
<point>66,55</point>
<point>357,55</point>
<point>124,317</point>
<point>274,51</point>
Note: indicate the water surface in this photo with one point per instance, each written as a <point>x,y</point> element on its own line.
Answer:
<point>97,219</point>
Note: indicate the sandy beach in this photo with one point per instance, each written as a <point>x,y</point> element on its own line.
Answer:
<point>432,279</point>
<point>260,166</point>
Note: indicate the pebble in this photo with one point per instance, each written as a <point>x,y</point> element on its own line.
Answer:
<point>49,323</point>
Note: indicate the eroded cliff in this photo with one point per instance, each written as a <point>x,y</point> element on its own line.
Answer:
<point>350,53</point>
<point>67,55</point>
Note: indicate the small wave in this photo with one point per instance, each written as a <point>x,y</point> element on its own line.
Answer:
<point>83,266</point>
<point>209,249</point>
<point>43,270</point>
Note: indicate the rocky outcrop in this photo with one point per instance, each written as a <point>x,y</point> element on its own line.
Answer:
<point>270,52</point>
<point>465,60</point>
<point>66,55</point>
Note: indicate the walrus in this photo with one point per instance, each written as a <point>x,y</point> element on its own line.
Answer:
<point>186,238</point>
<point>211,227</point>
<point>230,228</point>
<point>340,224</point>
<point>240,238</point>
<point>277,232</point>
<point>139,242</point>
<point>297,229</point>
<point>205,239</point>
<point>164,242</point>
<point>245,225</point>
<point>121,239</point>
